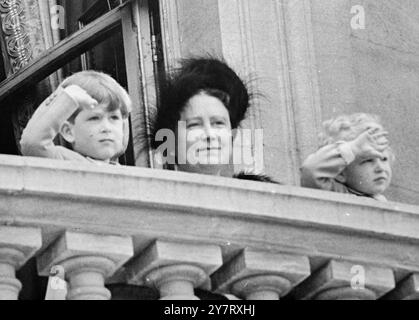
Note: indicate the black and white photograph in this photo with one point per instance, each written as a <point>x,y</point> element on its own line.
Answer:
<point>227,151</point>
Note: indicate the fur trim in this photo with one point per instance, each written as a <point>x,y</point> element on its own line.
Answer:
<point>254,177</point>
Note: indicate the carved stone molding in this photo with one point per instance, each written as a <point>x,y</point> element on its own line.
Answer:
<point>15,33</point>
<point>170,33</point>
<point>301,65</point>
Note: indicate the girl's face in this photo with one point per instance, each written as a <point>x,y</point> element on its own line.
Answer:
<point>370,175</point>
<point>204,135</point>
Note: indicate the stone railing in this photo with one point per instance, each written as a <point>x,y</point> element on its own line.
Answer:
<point>176,232</point>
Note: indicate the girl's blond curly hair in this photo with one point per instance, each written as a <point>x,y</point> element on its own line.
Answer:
<point>347,127</point>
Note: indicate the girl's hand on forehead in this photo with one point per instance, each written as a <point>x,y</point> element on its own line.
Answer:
<point>371,143</point>
<point>81,97</point>
<point>380,139</point>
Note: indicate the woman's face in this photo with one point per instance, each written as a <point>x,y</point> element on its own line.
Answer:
<point>204,135</point>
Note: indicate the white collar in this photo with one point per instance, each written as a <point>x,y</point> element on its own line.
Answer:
<point>100,162</point>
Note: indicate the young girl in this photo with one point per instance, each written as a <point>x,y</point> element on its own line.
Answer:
<point>355,158</point>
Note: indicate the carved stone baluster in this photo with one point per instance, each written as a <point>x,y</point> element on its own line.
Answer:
<point>87,260</point>
<point>407,289</point>
<point>17,245</point>
<point>175,269</point>
<point>342,280</point>
<point>259,275</point>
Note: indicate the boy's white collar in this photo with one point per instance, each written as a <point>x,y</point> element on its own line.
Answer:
<point>100,162</point>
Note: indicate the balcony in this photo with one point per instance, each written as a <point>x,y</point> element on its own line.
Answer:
<point>175,232</point>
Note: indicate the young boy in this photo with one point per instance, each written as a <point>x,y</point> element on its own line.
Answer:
<point>90,110</point>
<point>355,158</point>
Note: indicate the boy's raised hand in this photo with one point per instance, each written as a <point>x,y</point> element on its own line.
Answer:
<point>80,95</point>
<point>370,143</point>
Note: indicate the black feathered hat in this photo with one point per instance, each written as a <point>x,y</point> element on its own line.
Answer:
<point>195,75</point>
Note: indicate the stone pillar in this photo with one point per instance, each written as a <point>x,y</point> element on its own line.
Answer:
<point>17,245</point>
<point>407,289</point>
<point>343,280</point>
<point>175,269</point>
<point>86,260</point>
<point>261,275</point>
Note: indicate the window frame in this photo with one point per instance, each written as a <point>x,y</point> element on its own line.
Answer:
<point>133,17</point>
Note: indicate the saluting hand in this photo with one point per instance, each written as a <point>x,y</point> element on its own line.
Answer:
<point>81,97</point>
<point>370,143</point>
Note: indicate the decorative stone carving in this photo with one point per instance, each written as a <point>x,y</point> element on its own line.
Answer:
<point>15,33</point>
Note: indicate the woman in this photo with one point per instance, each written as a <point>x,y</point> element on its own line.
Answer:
<point>201,106</point>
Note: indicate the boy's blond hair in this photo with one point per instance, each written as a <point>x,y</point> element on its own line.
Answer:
<point>103,88</point>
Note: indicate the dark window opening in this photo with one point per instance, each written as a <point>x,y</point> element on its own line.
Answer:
<point>81,12</point>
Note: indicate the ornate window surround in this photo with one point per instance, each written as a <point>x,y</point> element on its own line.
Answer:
<point>16,38</point>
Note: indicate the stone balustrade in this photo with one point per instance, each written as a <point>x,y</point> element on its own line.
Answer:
<point>408,289</point>
<point>176,269</point>
<point>261,275</point>
<point>342,280</point>
<point>176,232</point>
<point>17,245</point>
<point>86,260</point>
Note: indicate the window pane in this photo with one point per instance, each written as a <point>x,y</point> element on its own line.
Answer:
<point>107,56</point>
<point>81,12</point>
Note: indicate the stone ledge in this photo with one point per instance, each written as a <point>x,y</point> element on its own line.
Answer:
<point>155,204</point>
<point>35,176</point>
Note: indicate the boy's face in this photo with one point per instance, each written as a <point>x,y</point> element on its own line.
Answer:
<point>98,133</point>
<point>371,175</point>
